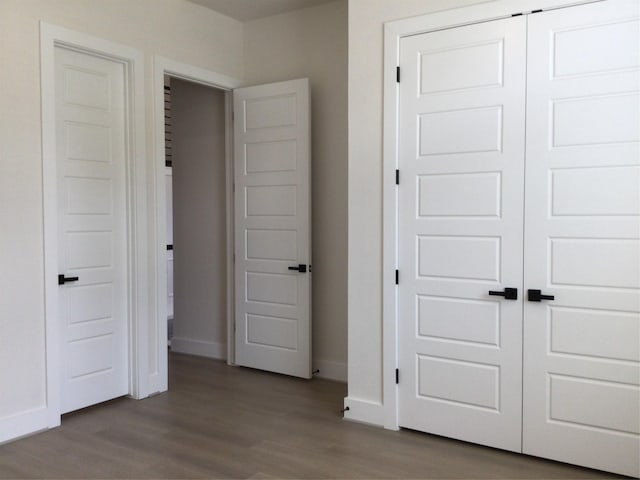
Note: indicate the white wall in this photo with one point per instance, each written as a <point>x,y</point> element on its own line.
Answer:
<point>366,19</point>
<point>198,119</point>
<point>313,43</point>
<point>175,29</point>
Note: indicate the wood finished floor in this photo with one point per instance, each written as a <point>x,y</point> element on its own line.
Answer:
<point>224,422</point>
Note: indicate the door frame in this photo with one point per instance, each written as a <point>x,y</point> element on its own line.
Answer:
<point>52,36</point>
<point>394,31</point>
<point>158,376</point>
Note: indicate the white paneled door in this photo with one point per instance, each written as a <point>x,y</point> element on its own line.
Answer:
<point>92,228</point>
<point>582,229</point>
<point>460,220</point>
<point>272,227</point>
<point>559,365</point>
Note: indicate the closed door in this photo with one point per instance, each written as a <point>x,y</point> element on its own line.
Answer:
<point>272,227</point>
<point>581,307</point>
<point>92,228</point>
<point>581,363</point>
<point>460,232</point>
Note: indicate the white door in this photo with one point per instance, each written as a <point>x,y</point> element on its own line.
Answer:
<point>92,229</point>
<point>272,227</point>
<point>581,370</point>
<point>461,164</point>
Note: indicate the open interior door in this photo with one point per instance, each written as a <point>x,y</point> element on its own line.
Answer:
<point>272,227</point>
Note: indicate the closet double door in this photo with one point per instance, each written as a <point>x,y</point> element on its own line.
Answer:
<point>518,234</point>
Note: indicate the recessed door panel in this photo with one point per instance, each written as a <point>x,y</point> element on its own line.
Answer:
<point>272,244</point>
<point>617,333</point>
<point>271,201</point>
<point>460,195</point>
<point>595,119</point>
<point>461,258</point>
<point>459,320</point>
<point>262,157</point>
<point>483,58</point>
<point>467,385</point>
<point>596,40</point>
<point>468,130</point>
<point>592,191</point>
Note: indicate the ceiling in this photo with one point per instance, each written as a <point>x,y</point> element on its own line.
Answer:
<point>244,10</point>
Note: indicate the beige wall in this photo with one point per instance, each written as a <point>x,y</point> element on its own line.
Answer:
<point>172,28</point>
<point>313,43</point>
<point>198,119</point>
<point>366,19</point>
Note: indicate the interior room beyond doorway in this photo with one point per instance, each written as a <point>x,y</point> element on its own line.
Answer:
<point>195,133</point>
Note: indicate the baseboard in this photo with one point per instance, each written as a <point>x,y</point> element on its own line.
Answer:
<point>364,411</point>
<point>331,370</point>
<point>199,347</point>
<point>23,424</point>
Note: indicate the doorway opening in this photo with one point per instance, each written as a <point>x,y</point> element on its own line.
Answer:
<point>192,82</point>
<point>195,173</point>
<point>267,219</point>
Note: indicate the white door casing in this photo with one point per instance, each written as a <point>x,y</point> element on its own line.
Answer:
<point>582,230</point>
<point>92,228</point>
<point>272,227</point>
<point>461,148</point>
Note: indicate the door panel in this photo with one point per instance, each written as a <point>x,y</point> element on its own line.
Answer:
<point>582,230</point>
<point>90,138</point>
<point>460,231</point>
<point>272,227</point>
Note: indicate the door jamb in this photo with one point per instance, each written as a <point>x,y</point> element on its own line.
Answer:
<point>163,66</point>
<point>394,31</point>
<point>51,37</point>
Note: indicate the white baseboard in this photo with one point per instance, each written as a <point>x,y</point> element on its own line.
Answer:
<point>23,424</point>
<point>331,370</point>
<point>199,347</point>
<point>364,411</point>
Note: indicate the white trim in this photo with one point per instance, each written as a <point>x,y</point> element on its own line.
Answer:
<point>133,61</point>
<point>164,66</point>
<point>25,423</point>
<point>393,32</point>
<point>191,346</point>
<point>363,411</point>
<point>331,370</point>
<point>229,195</point>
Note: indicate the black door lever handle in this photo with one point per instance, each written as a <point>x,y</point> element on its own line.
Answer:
<point>302,268</point>
<point>536,296</point>
<point>508,294</point>
<point>62,279</point>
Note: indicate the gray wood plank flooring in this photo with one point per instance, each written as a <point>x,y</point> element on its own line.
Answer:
<point>218,421</point>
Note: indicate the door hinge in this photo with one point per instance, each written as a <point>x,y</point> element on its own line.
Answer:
<point>516,14</point>
<point>397,277</point>
<point>398,74</point>
<point>397,177</point>
<point>537,11</point>
<point>397,376</point>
